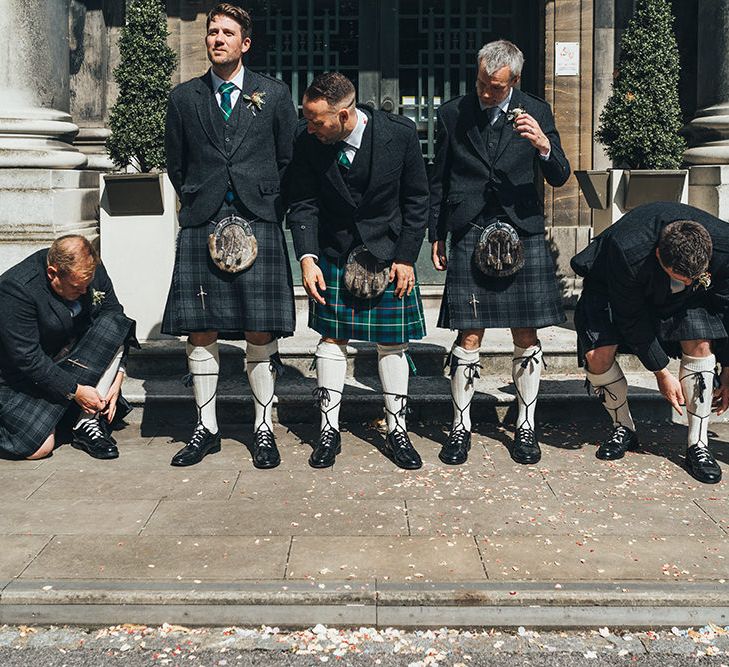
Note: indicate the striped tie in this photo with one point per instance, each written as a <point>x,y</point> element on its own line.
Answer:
<point>342,159</point>
<point>225,103</point>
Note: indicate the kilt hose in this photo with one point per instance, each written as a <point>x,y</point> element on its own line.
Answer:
<point>385,319</point>
<point>204,298</point>
<point>529,298</point>
<point>693,321</point>
<point>28,416</point>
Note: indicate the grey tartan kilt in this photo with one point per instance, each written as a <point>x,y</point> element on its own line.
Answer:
<point>529,298</point>
<point>261,298</point>
<point>28,416</point>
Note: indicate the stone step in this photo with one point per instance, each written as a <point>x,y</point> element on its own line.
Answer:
<point>49,205</point>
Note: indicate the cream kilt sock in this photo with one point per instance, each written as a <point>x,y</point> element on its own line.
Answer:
<point>394,370</point>
<point>464,371</point>
<point>526,371</point>
<point>612,388</point>
<point>104,384</point>
<point>203,362</point>
<point>261,371</point>
<point>331,370</point>
<point>697,383</point>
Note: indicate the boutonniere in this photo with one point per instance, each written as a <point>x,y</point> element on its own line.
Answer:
<point>704,280</point>
<point>513,114</point>
<point>97,296</point>
<point>255,100</point>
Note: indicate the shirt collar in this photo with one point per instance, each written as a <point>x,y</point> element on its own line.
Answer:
<point>503,105</point>
<point>237,79</point>
<point>355,137</point>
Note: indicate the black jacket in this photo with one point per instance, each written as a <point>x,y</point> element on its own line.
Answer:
<point>464,177</point>
<point>391,217</point>
<point>203,168</point>
<point>37,324</point>
<point>621,262</point>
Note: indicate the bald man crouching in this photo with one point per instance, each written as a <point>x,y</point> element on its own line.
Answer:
<point>63,342</point>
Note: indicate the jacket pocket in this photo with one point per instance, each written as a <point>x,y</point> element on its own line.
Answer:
<point>189,189</point>
<point>269,187</point>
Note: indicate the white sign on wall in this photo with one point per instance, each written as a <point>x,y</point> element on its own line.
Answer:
<point>566,58</point>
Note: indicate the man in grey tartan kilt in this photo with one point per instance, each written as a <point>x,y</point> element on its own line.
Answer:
<point>229,139</point>
<point>358,179</point>
<point>63,344</point>
<point>489,145</point>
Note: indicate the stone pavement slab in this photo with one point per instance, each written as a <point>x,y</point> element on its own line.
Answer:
<point>18,551</point>
<point>21,483</point>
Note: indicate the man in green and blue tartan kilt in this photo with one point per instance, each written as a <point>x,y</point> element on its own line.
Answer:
<point>358,180</point>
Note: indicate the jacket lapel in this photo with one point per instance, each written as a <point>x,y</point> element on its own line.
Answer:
<point>380,138</point>
<point>333,175</point>
<point>507,131</point>
<point>207,107</point>
<point>472,131</point>
<point>251,83</point>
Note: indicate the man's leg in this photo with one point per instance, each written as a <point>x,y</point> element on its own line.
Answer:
<point>464,363</point>
<point>331,371</point>
<point>262,366</point>
<point>203,362</point>
<point>45,449</point>
<point>607,379</point>
<point>696,374</point>
<point>394,371</point>
<point>526,371</point>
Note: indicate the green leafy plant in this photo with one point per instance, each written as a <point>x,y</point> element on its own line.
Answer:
<point>640,123</point>
<point>146,63</point>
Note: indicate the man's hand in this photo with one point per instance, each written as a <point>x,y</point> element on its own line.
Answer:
<point>721,393</point>
<point>440,260</point>
<point>88,398</point>
<point>404,273</point>
<point>313,279</point>
<point>112,397</point>
<point>528,128</point>
<point>670,387</point>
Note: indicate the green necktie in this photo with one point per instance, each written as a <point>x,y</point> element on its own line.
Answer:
<point>342,159</point>
<point>225,102</point>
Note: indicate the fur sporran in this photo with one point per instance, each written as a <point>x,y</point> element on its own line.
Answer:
<point>365,276</point>
<point>232,245</point>
<point>499,252</point>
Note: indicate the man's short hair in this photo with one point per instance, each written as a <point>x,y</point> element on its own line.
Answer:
<point>501,53</point>
<point>238,14</point>
<point>334,87</point>
<point>72,252</point>
<point>685,248</point>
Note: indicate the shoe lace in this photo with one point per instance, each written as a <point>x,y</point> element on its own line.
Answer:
<point>328,438</point>
<point>619,434</point>
<point>198,435</point>
<point>701,454</point>
<point>401,439</point>
<point>458,437</point>
<point>264,438</point>
<point>92,429</point>
<point>526,435</point>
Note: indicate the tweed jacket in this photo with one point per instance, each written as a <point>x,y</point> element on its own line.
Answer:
<point>621,262</point>
<point>464,176</point>
<point>37,324</point>
<point>203,166</point>
<point>391,217</point>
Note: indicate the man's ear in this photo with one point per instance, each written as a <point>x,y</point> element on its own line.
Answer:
<point>515,81</point>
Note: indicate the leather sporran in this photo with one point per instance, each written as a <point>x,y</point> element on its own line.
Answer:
<point>499,252</point>
<point>365,276</point>
<point>232,244</point>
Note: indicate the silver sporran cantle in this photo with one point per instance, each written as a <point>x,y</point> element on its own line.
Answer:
<point>365,276</point>
<point>499,252</point>
<point>232,244</point>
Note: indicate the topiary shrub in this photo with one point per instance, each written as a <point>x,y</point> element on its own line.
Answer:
<point>146,63</point>
<point>640,123</point>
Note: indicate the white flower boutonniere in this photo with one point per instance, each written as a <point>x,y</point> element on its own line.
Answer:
<point>97,296</point>
<point>255,100</point>
<point>513,114</point>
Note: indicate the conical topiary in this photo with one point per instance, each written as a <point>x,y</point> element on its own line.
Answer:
<point>640,123</point>
<point>146,63</point>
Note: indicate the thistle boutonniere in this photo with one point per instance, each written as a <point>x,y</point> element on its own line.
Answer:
<point>513,114</point>
<point>97,296</point>
<point>704,280</point>
<point>255,100</point>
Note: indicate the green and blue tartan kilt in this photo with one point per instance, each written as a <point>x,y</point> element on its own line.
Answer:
<point>28,415</point>
<point>385,319</point>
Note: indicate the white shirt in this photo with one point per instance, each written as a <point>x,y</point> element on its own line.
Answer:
<point>235,93</point>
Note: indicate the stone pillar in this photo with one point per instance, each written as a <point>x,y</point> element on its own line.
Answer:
<point>709,130</point>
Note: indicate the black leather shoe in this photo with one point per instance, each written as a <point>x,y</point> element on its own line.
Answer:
<point>90,437</point>
<point>526,448</point>
<point>621,440</point>
<point>455,451</point>
<point>202,443</point>
<point>402,451</point>
<point>702,465</point>
<point>326,450</point>
<point>265,452</point>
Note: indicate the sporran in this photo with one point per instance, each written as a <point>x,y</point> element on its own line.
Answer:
<point>365,276</point>
<point>232,244</point>
<point>499,252</point>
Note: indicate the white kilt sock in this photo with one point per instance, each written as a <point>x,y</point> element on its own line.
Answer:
<point>697,382</point>
<point>104,384</point>
<point>464,371</point>
<point>612,388</point>
<point>526,371</point>
<point>394,370</point>
<point>331,370</point>
<point>203,361</point>
<point>262,378</point>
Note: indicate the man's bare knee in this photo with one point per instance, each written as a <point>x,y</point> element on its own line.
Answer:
<point>258,337</point>
<point>696,348</point>
<point>470,339</point>
<point>601,359</point>
<point>336,341</point>
<point>203,338</point>
<point>524,337</point>
<point>45,449</point>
